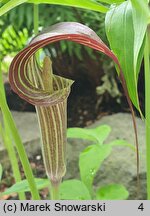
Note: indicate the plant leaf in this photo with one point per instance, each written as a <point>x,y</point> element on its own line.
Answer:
<point>12,41</point>
<point>86,4</point>
<point>78,189</point>
<point>10,5</point>
<point>141,14</point>
<point>119,29</point>
<point>112,192</point>
<point>120,33</point>
<point>23,186</point>
<point>112,1</point>
<point>98,134</point>
<point>90,161</point>
<point>1,172</point>
<point>74,190</point>
<point>120,142</point>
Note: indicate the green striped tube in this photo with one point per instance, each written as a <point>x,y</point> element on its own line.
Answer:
<point>52,120</point>
<point>53,124</point>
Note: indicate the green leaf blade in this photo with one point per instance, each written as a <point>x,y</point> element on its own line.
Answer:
<point>120,33</point>
<point>122,143</point>
<point>74,190</point>
<point>85,4</point>
<point>23,186</point>
<point>141,14</point>
<point>101,133</point>
<point>80,133</point>
<point>78,189</point>
<point>10,5</point>
<point>98,134</point>
<point>90,161</point>
<point>112,192</point>
<point>112,1</point>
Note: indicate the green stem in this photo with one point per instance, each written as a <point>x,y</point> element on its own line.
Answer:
<point>17,140</point>
<point>36,25</point>
<point>5,133</point>
<point>36,18</point>
<point>1,78</point>
<point>20,149</point>
<point>147,111</point>
<point>54,191</point>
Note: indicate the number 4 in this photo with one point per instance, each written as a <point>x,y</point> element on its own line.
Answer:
<point>141,207</point>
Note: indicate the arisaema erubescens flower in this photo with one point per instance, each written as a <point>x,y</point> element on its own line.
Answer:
<point>49,92</point>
